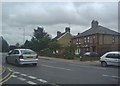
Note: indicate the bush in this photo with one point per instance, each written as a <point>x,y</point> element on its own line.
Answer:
<point>86,58</point>
<point>46,52</point>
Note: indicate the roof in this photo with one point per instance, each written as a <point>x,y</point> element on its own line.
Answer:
<point>98,30</point>
<point>59,36</point>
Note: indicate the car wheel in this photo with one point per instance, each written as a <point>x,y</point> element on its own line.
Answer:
<point>34,64</point>
<point>6,60</point>
<point>103,64</point>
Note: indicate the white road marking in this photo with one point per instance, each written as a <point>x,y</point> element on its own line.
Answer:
<point>57,67</point>
<point>41,80</point>
<point>32,77</point>
<point>23,74</point>
<point>14,76</point>
<point>22,79</point>
<point>47,62</point>
<point>87,66</point>
<point>17,72</point>
<point>111,76</point>
<point>30,82</point>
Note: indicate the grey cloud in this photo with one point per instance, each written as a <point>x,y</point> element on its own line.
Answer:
<point>55,16</point>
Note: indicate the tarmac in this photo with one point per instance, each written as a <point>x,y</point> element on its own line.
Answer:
<point>71,61</point>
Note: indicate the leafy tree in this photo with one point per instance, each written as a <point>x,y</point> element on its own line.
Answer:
<point>39,41</point>
<point>69,51</point>
<point>39,33</point>
<point>54,45</point>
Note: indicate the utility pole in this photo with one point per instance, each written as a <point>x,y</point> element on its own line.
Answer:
<point>24,35</point>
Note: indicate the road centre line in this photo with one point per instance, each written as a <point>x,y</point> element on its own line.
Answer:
<point>112,76</point>
<point>87,66</point>
<point>56,67</point>
<point>32,77</point>
<point>41,80</point>
<point>30,82</point>
<point>48,61</point>
<point>14,76</point>
<point>23,74</point>
<point>22,79</point>
<point>17,72</point>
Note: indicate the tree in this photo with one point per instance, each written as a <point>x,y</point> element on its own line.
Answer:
<point>69,51</point>
<point>4,44</point>
<point>17,45</point>
<point>39,33</point>
<point>39,41</point>
<point>54,46</point>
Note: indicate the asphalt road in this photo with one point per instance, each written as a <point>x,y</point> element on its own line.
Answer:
<point>50,71</point>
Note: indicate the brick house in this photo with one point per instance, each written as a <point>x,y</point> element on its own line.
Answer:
<point>97,39</point>
<point>64,38</point>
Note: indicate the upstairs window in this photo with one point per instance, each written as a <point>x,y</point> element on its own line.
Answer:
<point>85,40</point>
<point>88,39</point>
<point>113,39</point>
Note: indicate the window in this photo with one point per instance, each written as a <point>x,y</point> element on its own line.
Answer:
<point>85,39</point>
<point>93,39</point>
<point>117,56</point>
<point>88,39</point>
<point>15,52</point>
<point>77,40</point>
<point>113,39</point>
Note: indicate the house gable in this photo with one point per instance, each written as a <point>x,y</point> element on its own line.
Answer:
<point>65,39</point>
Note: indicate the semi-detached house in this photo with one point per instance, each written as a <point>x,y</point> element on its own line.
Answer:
<point>97,39</point>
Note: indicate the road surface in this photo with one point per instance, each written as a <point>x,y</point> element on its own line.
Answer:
<point>55,72</point>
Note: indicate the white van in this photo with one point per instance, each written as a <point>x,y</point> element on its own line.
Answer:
<point>110,58</point>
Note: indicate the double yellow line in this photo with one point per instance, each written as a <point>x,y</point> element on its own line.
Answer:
<point>7,77</point>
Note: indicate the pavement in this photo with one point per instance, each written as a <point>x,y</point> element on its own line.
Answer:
<point>71,61</point>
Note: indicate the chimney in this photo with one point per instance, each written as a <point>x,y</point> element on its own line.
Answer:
<point>78,34</point>
<point>58,33</point>
<point>67,29</point>
<point>94,24</point>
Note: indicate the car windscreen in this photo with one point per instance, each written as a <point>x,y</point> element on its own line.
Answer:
<point>27,52</point>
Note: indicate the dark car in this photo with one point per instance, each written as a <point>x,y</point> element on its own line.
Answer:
<point>93,54</point>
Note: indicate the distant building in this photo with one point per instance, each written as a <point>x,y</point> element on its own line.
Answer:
<point>64,38</point>
<point>97,39</point>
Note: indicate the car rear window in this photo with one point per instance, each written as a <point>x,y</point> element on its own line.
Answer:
<point>27,52</point>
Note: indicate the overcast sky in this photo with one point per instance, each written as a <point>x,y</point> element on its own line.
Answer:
<point>54,16</point>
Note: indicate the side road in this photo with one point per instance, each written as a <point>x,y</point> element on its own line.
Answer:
<point>71,61</point>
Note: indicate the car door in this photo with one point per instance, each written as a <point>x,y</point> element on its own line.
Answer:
<point>117,59</point>
<point>9,56</point>
<point>13,56</point>
<point>110,59</point>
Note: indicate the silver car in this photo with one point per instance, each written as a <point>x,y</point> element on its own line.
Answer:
<point>22,56</point>
<point>110,58</point>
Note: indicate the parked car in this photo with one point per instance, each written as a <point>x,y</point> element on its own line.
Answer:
<point>110,58</point>
<point>91,54</point>
<point>22,56</point>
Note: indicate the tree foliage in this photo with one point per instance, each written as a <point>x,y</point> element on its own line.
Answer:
<point>54,45</point>
<point>39,41</point>
<point>4,45</point>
